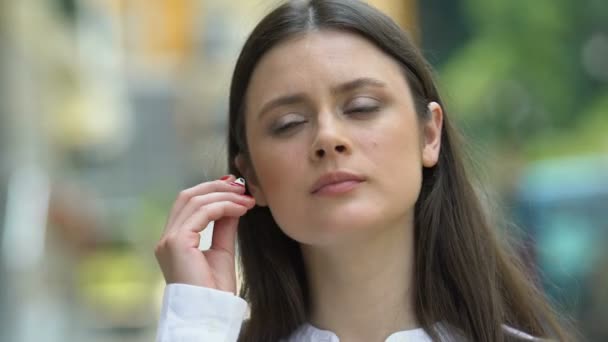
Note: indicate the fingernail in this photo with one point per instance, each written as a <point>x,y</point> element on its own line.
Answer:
<point>239,182</point>
<point>225,177</point>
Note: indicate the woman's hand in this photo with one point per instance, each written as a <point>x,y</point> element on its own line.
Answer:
<point>180,260</point>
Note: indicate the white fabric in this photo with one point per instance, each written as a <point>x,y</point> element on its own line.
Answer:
<point>195,314</point>
<point>191,313</point>
<point>309,333</point>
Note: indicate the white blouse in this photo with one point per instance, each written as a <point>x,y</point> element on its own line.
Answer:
<point>194,314</point>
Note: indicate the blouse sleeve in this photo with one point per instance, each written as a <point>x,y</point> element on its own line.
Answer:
<point>193,314</point>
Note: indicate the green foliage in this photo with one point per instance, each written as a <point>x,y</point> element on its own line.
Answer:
<point>520,80</point>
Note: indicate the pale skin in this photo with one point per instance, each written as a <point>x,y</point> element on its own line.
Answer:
<point>358,245</point>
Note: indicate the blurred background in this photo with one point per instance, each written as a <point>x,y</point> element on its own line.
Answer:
<point>109,107</point>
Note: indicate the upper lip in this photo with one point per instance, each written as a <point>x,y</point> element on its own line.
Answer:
<point>335,177</point>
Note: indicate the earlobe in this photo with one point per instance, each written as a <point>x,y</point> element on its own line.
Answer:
<point>432,135</point>
<point>244,167</point>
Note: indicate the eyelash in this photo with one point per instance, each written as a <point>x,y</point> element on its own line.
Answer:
<point>287,126</point>
<point>363,110</point>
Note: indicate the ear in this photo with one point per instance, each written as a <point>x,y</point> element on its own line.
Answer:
<point>245,168</point>
<point>432,135</point>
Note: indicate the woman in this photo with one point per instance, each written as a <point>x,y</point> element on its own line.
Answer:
<point>362,224</point>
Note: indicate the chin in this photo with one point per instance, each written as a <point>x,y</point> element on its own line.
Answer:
<point>329,230</point>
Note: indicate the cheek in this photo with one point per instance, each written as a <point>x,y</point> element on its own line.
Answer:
<point>277,167</point>
<point>280,174</point>
<point>391,150</point>
<point>394,153</point>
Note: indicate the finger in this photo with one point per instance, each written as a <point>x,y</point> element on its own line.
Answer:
<point>201,189</point>
<point>197,202</point>
<point>224,234</point>
<point>213,212</point>
<point>186,194</point>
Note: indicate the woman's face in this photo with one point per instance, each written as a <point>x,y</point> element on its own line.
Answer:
<point>329,108</point>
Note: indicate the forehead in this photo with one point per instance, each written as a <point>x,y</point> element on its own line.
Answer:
<point>317,59</point>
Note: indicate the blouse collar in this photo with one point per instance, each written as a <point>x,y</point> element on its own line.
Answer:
<point>309,333</point>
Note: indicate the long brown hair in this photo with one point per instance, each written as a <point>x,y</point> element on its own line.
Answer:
<point>464,278</point>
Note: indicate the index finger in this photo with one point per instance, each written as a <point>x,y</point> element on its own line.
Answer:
<point>201,189</point>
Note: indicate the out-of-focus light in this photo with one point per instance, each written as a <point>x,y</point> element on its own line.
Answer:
<point>26,217</point>
<point>595,57</point>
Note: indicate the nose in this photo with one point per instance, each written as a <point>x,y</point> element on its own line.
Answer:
<point>331,140</point>
<point>321,152</point>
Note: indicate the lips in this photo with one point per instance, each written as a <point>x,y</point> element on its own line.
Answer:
<point>336,182</point>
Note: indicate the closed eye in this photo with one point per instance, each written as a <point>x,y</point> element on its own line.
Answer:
<point>284,128</point>
<point>362,105</point>
<point>362,110</point>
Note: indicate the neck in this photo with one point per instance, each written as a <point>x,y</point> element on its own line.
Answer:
<point>362,290</point>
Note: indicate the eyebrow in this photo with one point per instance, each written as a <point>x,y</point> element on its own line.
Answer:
<point>358,83</point>
<point>298,98</point>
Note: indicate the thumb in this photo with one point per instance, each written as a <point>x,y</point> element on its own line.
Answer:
<point>224,234</point>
